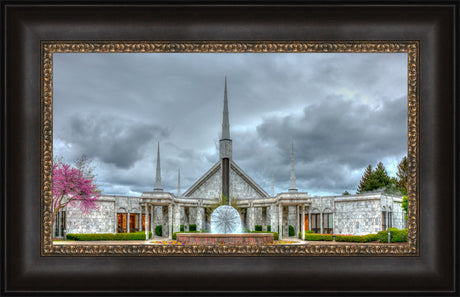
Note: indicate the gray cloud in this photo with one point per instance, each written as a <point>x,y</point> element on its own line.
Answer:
<point>342,111</point>
<point>110,139</point>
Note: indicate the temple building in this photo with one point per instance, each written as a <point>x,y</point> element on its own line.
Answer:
<point>349,214</point>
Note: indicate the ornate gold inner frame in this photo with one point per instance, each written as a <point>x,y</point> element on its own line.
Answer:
<point>48,48</point>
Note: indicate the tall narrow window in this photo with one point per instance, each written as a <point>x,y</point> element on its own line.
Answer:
<point>122,227</point>
<point>315,223</point>
<point>327,223</point>
<point>59,225</point>
<point>384,220</point>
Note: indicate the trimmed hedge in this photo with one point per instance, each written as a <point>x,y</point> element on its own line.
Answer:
<point>291,230</point>
<point>269,228</point>
<point>309,235</point>
<point>159,230</point>
<point>107,236</point>
<point>258,227</point>
<point>174,235</point>
<point>356,238</point>
<point>182,228</point>
<point>396,235</point>
<point>192,227</point>
<point>318,237</point>
<point>275,234</point>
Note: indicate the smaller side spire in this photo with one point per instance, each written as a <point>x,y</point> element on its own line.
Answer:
<point>158,187</point>
<point>292,186</point>
<point>178,183</point>
<point>273,186</point>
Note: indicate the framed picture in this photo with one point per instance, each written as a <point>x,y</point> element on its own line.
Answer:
<point>82,100</point>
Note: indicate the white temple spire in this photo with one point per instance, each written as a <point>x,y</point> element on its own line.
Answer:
<point>225,120</point>
<point>178,183</point>
<point>225,143</point>
<point>158,187</point>
<point>273,186</point>
<point>292,187</point>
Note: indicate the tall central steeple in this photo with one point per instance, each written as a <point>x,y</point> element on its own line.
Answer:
<point>225,143</point>
<point>225,120</point>
<point>225,148</point>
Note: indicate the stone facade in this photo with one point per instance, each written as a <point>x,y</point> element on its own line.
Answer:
<point>100,220</point>
<point>351,214</point>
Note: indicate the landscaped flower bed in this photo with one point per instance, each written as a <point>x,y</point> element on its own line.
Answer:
<point>175,242</point>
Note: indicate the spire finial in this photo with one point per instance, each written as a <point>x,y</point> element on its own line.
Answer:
<point>225,120</point>
<point>158,187</point>
<point>292,187</point>
<point>178,183</point>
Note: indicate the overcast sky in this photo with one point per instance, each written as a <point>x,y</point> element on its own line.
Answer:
<point>341,111</point>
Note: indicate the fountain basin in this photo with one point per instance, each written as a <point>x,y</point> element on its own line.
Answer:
<point>233,239</point>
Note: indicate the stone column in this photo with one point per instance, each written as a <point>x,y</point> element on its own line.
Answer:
<point>309,219</point>
<point>115,216</point>
<point>164,221</point>
<point>321,221</point>
<point>127,222</point>
<point>152,220</point>
<point>252,218</point>
<point>297,216</point>
<point>280,221</point>
<point>146,221</point>
<point>170,220</point>
<point>140,219</point>
<point>176,218</point>
<point>200,218</point>
<point>273,218</point>
<point>303,222</point>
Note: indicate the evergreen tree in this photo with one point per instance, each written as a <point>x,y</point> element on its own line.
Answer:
<point>363,183</point>
<point>345,193</point>
<point>402,175</point>
<point>374,179</point>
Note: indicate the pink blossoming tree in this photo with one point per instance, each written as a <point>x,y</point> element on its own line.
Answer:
<point>70,186</point>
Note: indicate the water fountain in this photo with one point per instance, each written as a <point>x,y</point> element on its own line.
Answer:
<point>226,228</point>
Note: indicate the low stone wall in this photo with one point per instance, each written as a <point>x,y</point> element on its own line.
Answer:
<point>235,239</point>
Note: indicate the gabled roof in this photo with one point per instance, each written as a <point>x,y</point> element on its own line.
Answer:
<point>248,180</point>
<point>215,168</point>
<point>202,179</point>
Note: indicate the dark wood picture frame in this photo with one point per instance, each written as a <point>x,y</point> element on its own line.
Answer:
<point>26,24</point>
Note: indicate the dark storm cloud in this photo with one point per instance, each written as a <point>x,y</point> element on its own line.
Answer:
<point>111,140</point>
<point>332,138</point>
<point>342,111</point>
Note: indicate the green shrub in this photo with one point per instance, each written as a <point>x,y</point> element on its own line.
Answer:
<point>306,232</point>
<point>107,236</point>
<point>182,228</point>
<point>318,237</point>
<point>291,230</point>
<point>349,238</point>
<point>192,227</point>
<point>275,234</point>
<point>258,228</point>
<point>159,230</point>
<point>370,237</point>
<point>204,231</point>
<point>396,235</point>
<point>269,228</point>
<point>246,230</point>
<point>174,235</point>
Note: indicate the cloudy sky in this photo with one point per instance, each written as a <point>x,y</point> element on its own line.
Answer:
<point>341,111</point>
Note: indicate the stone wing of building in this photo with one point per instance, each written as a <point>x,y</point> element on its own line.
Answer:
<point>210,184</point>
